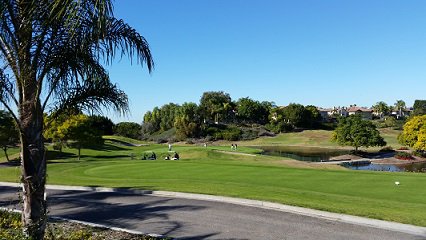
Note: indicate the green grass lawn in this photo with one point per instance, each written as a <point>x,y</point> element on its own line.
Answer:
<point>213,170</point>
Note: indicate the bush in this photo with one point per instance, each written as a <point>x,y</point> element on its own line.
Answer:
<point>232,134</point>
<point>420,154</point>
<point>387,149</point>
<point>404,156</point>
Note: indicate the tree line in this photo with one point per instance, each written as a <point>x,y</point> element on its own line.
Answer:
<point>216,111</point>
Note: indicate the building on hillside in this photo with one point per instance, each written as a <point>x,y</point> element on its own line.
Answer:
<point>365,113</point>
<point>331,114</point>
<point>402,113</point>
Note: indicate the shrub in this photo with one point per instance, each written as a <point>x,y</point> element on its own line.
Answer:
<point>232,134</point>
<point>387,149</point>
<point>404,156</point>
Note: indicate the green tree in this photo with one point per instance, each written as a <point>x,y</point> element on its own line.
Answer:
<point>419,107</point>
<point>356,132</point>
<point>215,105</point>
<point>51,55</point>
<point>414,133</point>
<point>103,124</point>
<point>188,121</point>
<point>9,135</point>
<point>381,109</point>
<point>313,116</point>
<point>251,111</point>
<point>128,129</point>
<point>277,122</point>
<point>296,115</point>
<point>78,132</point>
<point>167,116</point>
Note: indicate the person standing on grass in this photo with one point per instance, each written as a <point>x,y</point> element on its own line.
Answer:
<point>170,147</point>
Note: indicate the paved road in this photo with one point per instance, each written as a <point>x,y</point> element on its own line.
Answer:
<point>195,219</point>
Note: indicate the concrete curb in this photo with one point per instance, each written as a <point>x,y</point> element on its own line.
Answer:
<point>391,226</point>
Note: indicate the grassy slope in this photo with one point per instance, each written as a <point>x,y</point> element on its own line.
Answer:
<point>317,138</point>
<point>206,170</point>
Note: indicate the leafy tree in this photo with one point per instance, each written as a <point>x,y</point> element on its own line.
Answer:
<point>277,122</point>
<point>167,115</point>
<point>75,131</point>
<point>215,105</point>
<point>313,116</point>
<point>251,111</point>
<point>296,115</point>
<point>188,121</point>
<point>381,109</point>
<point>9,135</point>
<point>128,129</point>
<point>102,124</point>
<point>419,107</point>
<point>356,132</point>
<point>78,132</point>
<point>50,57</point>
<point>414,133</point>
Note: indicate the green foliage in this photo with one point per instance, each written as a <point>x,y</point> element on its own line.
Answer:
<point>223,132</point>
<point>188,122</point>
<point>128,129</point>
<point>102,124</point>
<point>381,109</point>
<point>414,133</point>
<point>251,111</point>
<point>404,155</point>
<point>419,107</point>
<point>75,131</point>
<point>356,132</point>
<point>313,116</point>
<point>216,106</point>
<point>9,134</point>
<point>160,119</point>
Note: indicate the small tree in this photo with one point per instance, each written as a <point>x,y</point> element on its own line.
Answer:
<point>9,135</point>
<point>414,133</point>
<point>79,133</point>
<point>356,132</point>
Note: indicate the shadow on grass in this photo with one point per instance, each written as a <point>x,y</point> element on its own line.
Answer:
<point>108,147</point>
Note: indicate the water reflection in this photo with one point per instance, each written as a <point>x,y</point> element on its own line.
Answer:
<point>412,167</point>
<point>308,154</point>
<point>317,154</point>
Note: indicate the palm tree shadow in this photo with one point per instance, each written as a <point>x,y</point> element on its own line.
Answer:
<point>120,210</point>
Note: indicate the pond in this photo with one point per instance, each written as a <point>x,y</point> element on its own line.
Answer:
<point>410,167</point>
<point>317,154</point>
<point>309,154</point>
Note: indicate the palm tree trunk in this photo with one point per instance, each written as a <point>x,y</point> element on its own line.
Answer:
<point>33,167</point>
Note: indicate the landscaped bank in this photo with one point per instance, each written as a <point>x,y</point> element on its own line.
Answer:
<point>213,170</point>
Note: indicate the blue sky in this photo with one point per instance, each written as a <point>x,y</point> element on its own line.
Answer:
<point>326,53</point>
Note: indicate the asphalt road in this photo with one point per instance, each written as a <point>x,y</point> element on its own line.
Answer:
<point>195,219</point>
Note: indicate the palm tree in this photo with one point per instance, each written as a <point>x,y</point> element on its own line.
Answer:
<point>381,109</point>
<point>51,55</point>
<point>399,105</point>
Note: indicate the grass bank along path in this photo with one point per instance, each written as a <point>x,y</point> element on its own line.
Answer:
<point>317,138</point>
<point>208,171</point>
